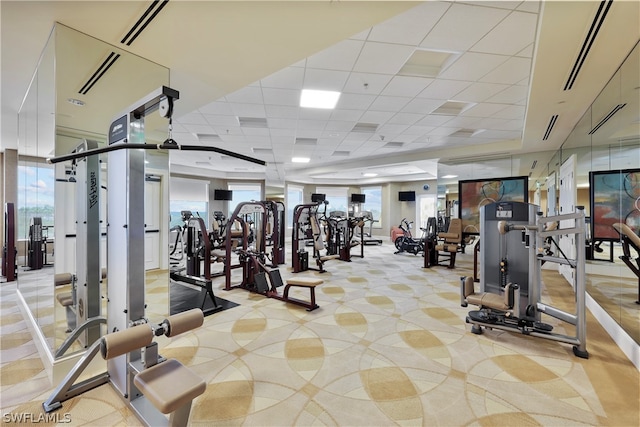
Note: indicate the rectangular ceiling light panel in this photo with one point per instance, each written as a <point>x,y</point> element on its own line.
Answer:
<point>365,127</point>
<point>325,99</point>
<point>427,63</point>
<point>452,108</point>
<point>252,122</point>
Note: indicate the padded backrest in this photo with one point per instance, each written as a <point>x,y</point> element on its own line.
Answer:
<point>317,232</point>
<point>468,286</point>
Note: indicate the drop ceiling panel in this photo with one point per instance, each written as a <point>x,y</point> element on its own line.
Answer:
<point>472,66</point>
<point>382,58</point>
<point>195,129</point>
<point>334,126</point>
<point>462,26</point>
<point>276,123</point>
<point>480,92</point>
<point>389,103</point>
<point>218,108</point>
<point>341,56</point>
<point>346,115</point>
<point>510,72</point>
<point>421,106</point>
<point>511,95</point>
<point>314,114</point>
<point>434,120</point>
<point>290,97</point>
<point>217,120</point>
<point>418,130</point>
<point>444,89</point>
<point>510,36</point>
<point>255,132</point>
<point>311,124</point>
<point>287,78</point>
<point>406,86</point>
<point>377,117</point>
<point>390,130</point>
<point>411,27</point>
<point>511,112</point>
<point>248,110</point>
<point>404,118</point>
<point>281,111</point>
<point>484,109</point>
<point>325,79</point>
<point>194,118</point>
<point>367,83</point>
<point>354,101</point>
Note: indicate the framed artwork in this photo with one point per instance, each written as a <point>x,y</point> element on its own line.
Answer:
<point>615,197</point>
<point>473,194</point>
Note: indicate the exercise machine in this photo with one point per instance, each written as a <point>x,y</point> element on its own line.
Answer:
<point>306,228</point>
<point>126,271</point>
<point>367,237</point>
<point>513,250</point>
<point>275,231</point>
<point>406,242</point>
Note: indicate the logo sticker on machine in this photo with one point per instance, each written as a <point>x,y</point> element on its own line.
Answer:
<point>118,130</point>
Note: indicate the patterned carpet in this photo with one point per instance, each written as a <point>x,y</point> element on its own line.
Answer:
<point>388,346</point>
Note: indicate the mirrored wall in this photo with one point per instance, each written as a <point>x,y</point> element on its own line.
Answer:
<point>81,84</point>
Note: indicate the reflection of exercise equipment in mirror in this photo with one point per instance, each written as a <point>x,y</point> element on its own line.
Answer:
<point>510,280</point>
<point>630,240</point>
<point>449,243</point>
<point>37,244</point>
<point>126,273</point>
<point>9,251</point>
<point>367,237</point>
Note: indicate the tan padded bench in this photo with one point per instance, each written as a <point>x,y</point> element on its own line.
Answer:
<point>169,385</point>
<point>489,300</point>
<point>65,299</point>
<point>61,279</point>
<point>303,283</point>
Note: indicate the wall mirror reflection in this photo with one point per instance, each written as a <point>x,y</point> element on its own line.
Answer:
<point>80,85</point>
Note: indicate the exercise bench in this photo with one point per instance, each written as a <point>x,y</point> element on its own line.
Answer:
<point>276,282</point>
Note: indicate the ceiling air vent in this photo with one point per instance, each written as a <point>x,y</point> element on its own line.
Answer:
<point>341,153</point>
<point>365,127</point>
<point>606,118</point>
<point>208,137</point>
<point>552,123</point>
<point>146,18</point>
<point>306,141</point>
<point>262,150</point>
<point>252,122</point>
<point>97,75</point>
<point>393,145</point>
<point>426,63</point>
<point>452,108</point>
<point>603,9</point>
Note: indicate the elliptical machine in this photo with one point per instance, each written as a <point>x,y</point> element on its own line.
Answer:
<point>406,242</point>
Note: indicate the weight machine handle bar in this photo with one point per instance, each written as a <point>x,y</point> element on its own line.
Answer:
<point>164,146</point>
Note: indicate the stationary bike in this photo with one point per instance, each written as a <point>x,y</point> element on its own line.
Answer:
<point>406,242</point>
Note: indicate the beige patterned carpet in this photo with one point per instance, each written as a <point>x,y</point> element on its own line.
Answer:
<point>389,346</point>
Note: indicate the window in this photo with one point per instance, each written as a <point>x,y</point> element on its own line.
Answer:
<point>337,198</point>
<point>427,205</point>
<point>188,195</point>
<point>294,198</point>
<point>373,203</point>
<point>35,196</point>
<point>243,193</point>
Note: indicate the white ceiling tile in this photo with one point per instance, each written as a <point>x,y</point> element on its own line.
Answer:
<point>406,86</point>
<point>501,134</point>
<point>405,118</point>
<point>509,72</point>
<point>377,117</point>
<point>234,139</point>
<point>346,115</point>
<point>249,95</point>
<point>409,27</point>
<point>248,110</point>
<point>510,36</point>
<point>532,6</point>
<point>495,124</point>
<point>444,89</point>
<point>443,131</point>
<point>194,118</point>
<point>421,106</point>
<point>283,132</point>
<point>281,111</point>
<point>339,126</point>
<point>511,112</point>
<point>484,109</point>
<point>315,114</point>
<point>287,78</point>
<point>480,92</point>
<point>418,130</point>
<point>341,56</point>
<point>434,120</point>
<point>391,129</point>
<point>511,95</point>
<point>356,136</point>
<point>406,138</point>
<point>324,79</point>
<point>472,66</point>
<point>365,83</point>
<point>217,107</point>
<point>389,103</point>
<point>282,123</point>
<point>382,58</point>
<point>221,120</point>
<point>354,101</point>
<point>290,97</point>
<point>464,122</point>
<point>255,132</point>
<point>527,52</point>
<point>462,26</point>
<point>502,4</point>
<point>311,124</point>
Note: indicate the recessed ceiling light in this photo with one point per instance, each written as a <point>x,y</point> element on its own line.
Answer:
<point>300,159</point>
<point>449,176</point>
<point>319,98</point>
<point>369,174</point>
